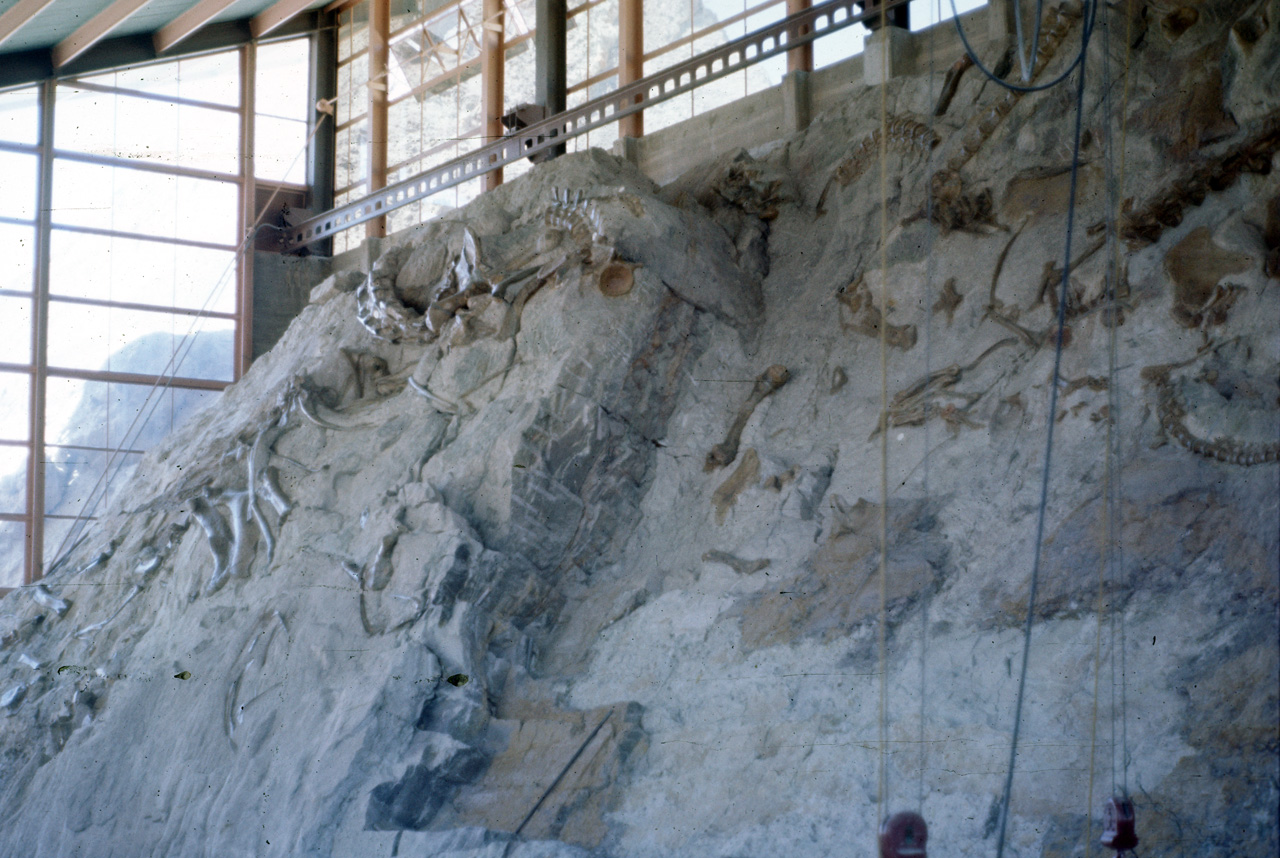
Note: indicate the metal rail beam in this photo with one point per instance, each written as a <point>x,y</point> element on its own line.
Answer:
<point>772,40</point>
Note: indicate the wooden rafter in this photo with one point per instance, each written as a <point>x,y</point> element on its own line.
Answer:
<point>276,16</point>
<point>188,22</point>
<point>19,15</point>
<point>95,30</point>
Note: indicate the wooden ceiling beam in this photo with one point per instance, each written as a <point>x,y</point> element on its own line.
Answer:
<point>276,16</point>
<point>95,30</point>
<point>188,22</point>
<point>19,15</point>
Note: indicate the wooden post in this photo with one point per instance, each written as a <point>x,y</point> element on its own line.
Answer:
<point>379,37</point>
<point>630,59</point>
<point>799,59</point>
<point>492,63</point>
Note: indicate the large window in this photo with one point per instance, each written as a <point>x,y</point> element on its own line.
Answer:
<point>128,319</point>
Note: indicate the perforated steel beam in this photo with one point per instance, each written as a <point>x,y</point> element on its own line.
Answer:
<point>820,20</point>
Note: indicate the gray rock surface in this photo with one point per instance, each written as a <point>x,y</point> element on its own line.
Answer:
<point>484,592</point>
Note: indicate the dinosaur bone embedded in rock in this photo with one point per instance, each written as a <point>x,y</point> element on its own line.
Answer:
<point>766,383</point>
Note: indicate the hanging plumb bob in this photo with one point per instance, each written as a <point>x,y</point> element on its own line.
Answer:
<point>1120,833</point>
<point>903,835</point>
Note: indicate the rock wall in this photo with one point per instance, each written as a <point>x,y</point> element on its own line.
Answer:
<point>559,533</point>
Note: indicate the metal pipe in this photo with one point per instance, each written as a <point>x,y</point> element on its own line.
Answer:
<point>40,340</point>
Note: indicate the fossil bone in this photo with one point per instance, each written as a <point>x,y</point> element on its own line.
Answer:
<point>253,653</point>
<point>41,596</point>
<point>867,318</point>
<point>1172,413</point>
<point>737,564</point>
<point>102,624</point>
<point>904,135</point>
<point>1145,225</point>
<point>766,383</point>
<point>220,539</point>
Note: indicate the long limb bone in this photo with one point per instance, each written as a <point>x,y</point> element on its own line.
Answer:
<point>766,383</point>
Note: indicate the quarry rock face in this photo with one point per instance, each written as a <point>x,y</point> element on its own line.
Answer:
<point>558,534</point>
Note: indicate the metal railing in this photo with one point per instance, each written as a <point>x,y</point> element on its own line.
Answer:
<point>769,41</point>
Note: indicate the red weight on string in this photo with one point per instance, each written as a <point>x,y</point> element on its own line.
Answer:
<point>1120,833</point>
<point>903,835</point>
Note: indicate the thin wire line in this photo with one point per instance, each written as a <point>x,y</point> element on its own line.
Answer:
<point>1048,456</point>
<point>883,791</point>
<point>929,278</point>
<point>1102,609</point>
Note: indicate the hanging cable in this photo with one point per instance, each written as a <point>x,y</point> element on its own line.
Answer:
<point>165,379</point>
<point>1048,454</point>
<point>1025,63</point>
<point>1090,11</point>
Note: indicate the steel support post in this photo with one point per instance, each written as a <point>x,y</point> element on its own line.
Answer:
<point>40,339</point>
<point>551,60</point>
<point>492,65</point>
<point>324,89</point>
<point>630,59</point>
<point>379,39</point>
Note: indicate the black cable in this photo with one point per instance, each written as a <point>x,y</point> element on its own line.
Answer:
<point>1048,455</point>
<point>1091,9</point>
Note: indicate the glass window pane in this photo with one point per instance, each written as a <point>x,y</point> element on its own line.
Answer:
<point>56,531</point>
<point>13,546</point>
<point>71,416</point>
<point>15,400</point>
<point>279,153</point>
<point>13,479</point>
<point>147,130</point>
<point>207,211</point>
<point>15,330</point>
<point>74,479</point>
<point>82,115</point>
<point>206,348</point>
<point>17,249</point>
<point>107,415</point>
<point>115,339</point>
<point>214,78</point>
<point>282,79</point>
<point>160,78</point>
<point>109,338</point>
<point>20,116</point>
<point>114,268</point>
<point>208,139</point>
<point>18,185</point>
<point>117,198</point>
